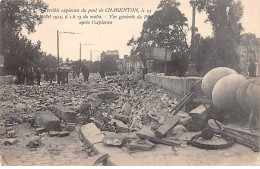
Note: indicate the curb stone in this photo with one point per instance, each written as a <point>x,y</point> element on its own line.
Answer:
<point>93,137</point>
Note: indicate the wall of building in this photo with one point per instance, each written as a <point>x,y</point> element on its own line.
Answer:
<point>5,80</point>
<point>177,85</point>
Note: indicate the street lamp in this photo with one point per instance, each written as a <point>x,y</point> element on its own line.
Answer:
<point>58,34</point>
<point>192,67</point>
<point>80,50</point>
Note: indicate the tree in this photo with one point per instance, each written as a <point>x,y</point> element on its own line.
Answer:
<point>225,16</point>
<point>15,16</point>
<point>165,28</point>
<point>108,64</point>
<point>67,60</point>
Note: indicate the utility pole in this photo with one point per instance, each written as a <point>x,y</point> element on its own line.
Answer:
<point>58,53</point>
<point>58,41</point>
<point>90,55</point>
<point>80,54</point>
<point>192,67</point>
<point>80,46</point>
<point>165,62</point>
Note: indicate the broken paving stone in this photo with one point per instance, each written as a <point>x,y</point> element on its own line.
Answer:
<point>147,133</point>
<point>64,113</point>
<point>140,144</point>
<point>39,131</point>
<point>126,109</point>
<point>84,108</point>
<point>8,125</point>
<point>48,121</point>
<point>120,126</point>
<point>70,128</point>
<point>121,117</point>
<point>16,119</point>
<point>53,133</point>
<point>185,121</point>
<point>10,141</point>
<point>63,134</point>
<point>34,143</point>
<point>106,95</point>
<point>11,134</point>
<point>114,139</point>
<point>179,129</point>
<point>200,111</point>
<point>167,126</point>
<point>2,130</point>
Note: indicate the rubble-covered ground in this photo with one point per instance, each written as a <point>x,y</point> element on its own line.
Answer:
<point>122,105</point>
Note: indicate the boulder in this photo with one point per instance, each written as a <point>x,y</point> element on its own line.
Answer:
<point>212,77</point>
<point>224,92</point>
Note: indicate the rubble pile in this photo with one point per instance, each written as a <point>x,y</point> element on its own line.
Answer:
<point>131,112</point>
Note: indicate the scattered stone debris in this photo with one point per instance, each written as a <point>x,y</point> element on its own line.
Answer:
<point>63,134</point>
<point>132,113</point>
<point>148,133</point>
<point>48,121</point>
<point>10,141</point>
<point>140,144</point>
<point>114,139</point>
<point>53,133</point>
<point>34,143</point>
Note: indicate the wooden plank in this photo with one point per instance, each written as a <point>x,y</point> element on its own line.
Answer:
<point>167,126</point>
<point>147,133</point>
<point>182,103</point>
<point>202,100</point>
<point>243,134</point>
<point>200,111</point>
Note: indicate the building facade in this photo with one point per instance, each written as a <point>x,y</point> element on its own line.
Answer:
<point>248,50</point>
<point>130,65</point>
<point>110,53</point>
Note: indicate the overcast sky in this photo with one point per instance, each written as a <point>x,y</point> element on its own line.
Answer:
<point>115,36</point>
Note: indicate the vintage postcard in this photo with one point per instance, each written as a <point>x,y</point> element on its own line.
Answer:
<point>129,82</point>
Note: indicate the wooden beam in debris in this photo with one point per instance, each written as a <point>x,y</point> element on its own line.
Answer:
<point>167,126</point>
<point>182,103</point>
<point>147,133</point>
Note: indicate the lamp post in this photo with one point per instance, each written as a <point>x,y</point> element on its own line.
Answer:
<point>81,44</point>
<point>58,41</point>
<point>192,67</point>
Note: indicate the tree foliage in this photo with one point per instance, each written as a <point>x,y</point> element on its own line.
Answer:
<point>225,16</point>
<point>166,27</point>
<point>108,64</point>
<point>16,16</point>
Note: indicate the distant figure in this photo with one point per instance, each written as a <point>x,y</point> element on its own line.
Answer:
<point>23,77</point>
<point>46,75</point>
<point>78,72</point>
<point>19,76</point>
<point>252,69</point>
<point>74,74</point>
<point>38,76</point>
<point>33,76</point>
<point>67,76</point>
<point>63,76</point>
<point>52,75</point>
<point>30,76</point>
<point>85,72</point>
<point>102,73</point>
<point>144,72</point>
<point>59,75</point>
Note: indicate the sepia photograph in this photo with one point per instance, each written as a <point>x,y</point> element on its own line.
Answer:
<point>129,83</point>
